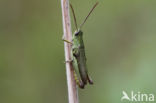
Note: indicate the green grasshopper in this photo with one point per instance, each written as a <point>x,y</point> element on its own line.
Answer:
<point>78,53</point>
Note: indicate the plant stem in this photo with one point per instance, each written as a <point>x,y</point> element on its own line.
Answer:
<point>72,89</point>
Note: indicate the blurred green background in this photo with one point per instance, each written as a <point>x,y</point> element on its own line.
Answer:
<point>120,39</point>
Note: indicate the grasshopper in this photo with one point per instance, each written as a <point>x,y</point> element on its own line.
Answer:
<point>78,53</point>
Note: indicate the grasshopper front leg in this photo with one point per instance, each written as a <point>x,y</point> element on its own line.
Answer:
<point>63,38</point>
<point>67,41</point>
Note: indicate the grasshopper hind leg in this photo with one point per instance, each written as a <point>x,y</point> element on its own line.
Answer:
<point>78,81</point>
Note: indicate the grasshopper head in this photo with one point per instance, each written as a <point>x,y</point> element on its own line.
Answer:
<point>78,33</point>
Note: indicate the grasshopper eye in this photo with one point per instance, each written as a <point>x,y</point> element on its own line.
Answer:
<point>77,33</point>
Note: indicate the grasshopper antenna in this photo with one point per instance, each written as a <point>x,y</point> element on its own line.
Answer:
<point>74,16</point>
<point>89,14</point>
